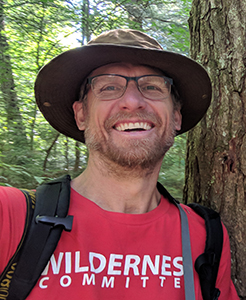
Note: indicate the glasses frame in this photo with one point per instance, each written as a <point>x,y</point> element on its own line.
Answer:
<point>90,82</point>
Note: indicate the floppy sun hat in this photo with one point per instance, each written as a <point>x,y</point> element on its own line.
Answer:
<point>58,83</point>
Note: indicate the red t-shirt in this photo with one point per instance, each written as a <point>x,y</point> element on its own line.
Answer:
<point>113,256</point>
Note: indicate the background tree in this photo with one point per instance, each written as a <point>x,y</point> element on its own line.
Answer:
<point>216,150</point>
<point>14,122</point>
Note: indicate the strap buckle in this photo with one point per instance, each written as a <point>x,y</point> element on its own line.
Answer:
<point>66,222</point>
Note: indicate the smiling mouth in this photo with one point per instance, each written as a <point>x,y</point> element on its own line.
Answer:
<point>138,126</point>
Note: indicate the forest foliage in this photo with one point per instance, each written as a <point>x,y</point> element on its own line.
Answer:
<point>33,32</point>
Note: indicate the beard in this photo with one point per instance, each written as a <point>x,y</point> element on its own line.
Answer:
<point>131,154</point>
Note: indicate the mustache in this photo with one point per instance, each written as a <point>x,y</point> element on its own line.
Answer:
<point>142,116</point>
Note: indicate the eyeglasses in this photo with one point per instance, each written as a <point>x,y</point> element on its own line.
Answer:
<point>113,86</point>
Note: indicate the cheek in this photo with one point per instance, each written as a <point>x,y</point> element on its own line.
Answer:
<point>165,112</point>
<point>100,114</point>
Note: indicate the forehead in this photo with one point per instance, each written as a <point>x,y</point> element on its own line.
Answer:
<point>125,69</point>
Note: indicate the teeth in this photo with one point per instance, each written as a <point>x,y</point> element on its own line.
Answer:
<point>130,126</point>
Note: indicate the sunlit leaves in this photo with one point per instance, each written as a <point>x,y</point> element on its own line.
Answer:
<point>165,20</point>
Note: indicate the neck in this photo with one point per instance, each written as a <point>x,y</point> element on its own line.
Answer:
<point>119,189</point>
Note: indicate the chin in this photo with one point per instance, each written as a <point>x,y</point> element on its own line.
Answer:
<point>145,154</point>
<point>131,153</point>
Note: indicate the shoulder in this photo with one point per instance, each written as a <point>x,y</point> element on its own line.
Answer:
<point>9,193</point>
<point>194,218</point>
<point>197,230</point>
<point>12,221</point>
<point>12,200</point>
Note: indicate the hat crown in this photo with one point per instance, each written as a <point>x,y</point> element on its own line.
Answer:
<point>127,37</point>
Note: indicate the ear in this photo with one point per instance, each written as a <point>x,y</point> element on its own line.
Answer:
<point>177,119</point>
<point>79,115</point>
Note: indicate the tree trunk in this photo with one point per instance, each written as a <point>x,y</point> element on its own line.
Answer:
<point>85,14</point>
<point>66,145</point>
<point>216,148</point>
<point>48,151</point>
<point>17,135</point>
<point>77,157</point>
<point>135,12</point>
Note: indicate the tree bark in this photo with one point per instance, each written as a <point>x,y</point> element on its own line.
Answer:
<point>216,148</point>
<point>17,135</point>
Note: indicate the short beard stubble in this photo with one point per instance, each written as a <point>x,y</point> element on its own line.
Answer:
<point>136,153</point>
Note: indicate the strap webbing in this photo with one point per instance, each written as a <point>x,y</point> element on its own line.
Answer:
<point>186,247</point>
<point>187,259</point>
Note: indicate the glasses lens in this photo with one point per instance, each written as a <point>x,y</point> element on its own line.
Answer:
<point>154,87</point>
<point>108,87</point>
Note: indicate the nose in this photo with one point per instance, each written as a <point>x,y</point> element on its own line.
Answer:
<point>132,98</point>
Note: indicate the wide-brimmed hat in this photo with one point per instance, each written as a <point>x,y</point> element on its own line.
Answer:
<point>58,83</point>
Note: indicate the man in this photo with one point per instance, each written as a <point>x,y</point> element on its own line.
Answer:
<point>126,237</point>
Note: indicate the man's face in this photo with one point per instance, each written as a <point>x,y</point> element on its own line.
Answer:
<point>131,131</point>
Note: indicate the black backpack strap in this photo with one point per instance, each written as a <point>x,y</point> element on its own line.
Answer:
<point>207,264</point>
<point>7,274</point>
<point>49,220</point>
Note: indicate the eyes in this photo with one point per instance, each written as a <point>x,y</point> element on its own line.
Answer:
<point>118,87</point>
<point>150,87</point>
<point>113,86</point>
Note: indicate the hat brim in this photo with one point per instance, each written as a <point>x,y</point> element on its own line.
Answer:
<point>58,83</point>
